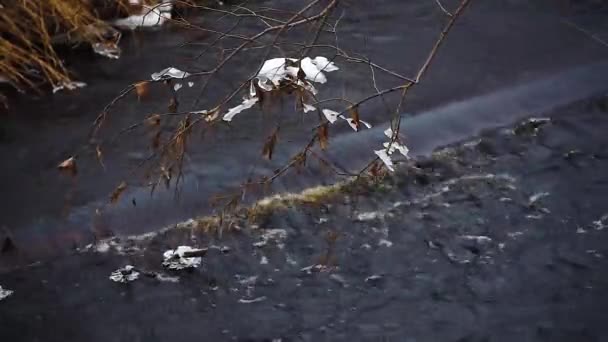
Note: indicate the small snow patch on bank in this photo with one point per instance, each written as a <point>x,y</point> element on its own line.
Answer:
<point>254,300</point>
<point>68,86</point>
<point>166,278</point>
<point>276,235</point>
<point>601,223</point>
<point>102,247</point>
<point>126,274</point>
<point>385,243</point>
<point>368,216</point>
<point>536,197</point>
<point>5,293</point>
<point>477,238</point>
<point>183,257</point>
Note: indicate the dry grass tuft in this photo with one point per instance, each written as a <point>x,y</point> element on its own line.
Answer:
<point>268,205</point>
<point>28,29</point>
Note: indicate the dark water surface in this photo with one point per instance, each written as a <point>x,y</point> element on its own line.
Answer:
<point>507,59</point>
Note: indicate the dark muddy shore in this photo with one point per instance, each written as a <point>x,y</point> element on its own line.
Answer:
<point>500,238</point>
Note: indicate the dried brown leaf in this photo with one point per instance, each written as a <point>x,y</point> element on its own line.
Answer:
<point>299,100</point>
<point>323,163</point>
<point>186,125</point>
<point>156,140</point>
<point>232,205</point>
<point>354,114</point>
<point>299,161</point>
<point>68,165</point>
<point>212,115</point>
<point>142,89</point>
<point>4,101</point>
<point>117,192</point>
<point>331,237</point>
<point>173,104</point>
<point>99,156</point>
<point>166,175</point>
<point>377,169</point>
<point>270,144</point>
<point>153,120</point>
<point>261,97</point>
<point>323,135</point>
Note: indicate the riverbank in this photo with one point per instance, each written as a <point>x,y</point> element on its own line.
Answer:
<point>501,238</point>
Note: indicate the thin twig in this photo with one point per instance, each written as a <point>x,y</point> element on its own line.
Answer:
<point>443,8</point>
<point>586,32</point>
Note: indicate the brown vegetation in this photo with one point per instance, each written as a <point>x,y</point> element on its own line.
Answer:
<point>30,29</point>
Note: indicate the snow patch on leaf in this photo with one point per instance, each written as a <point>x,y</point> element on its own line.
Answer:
<point>324,64</point>
<point>330,115</point>
<point>273,70</point>
<point>276,70</point>
<point>395,146</point>
<point>68,86</point>
<point>308,108</point>
<point>389,148</point>
<point>168,73</point>
<point>388,133</point>
<point>386,159</point>
<point>312,71</point>
<point>247,103</point>
<point>279,71</point>
<point>353,124</point>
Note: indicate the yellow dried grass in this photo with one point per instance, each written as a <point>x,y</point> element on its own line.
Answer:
<point>26,41</point>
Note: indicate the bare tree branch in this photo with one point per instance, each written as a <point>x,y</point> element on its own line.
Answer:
<point>166,161</point>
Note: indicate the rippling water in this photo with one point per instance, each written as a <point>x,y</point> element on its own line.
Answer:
<point>503,61</point>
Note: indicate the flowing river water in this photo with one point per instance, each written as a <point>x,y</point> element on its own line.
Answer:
<point>504,60</point>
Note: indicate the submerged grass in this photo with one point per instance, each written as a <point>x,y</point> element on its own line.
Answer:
<point>264,207</point>
<point>315,195</point>
<point>269,205</point>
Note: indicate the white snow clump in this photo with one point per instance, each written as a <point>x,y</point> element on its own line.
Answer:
<point>183,257</point>
<point>126,274</point>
